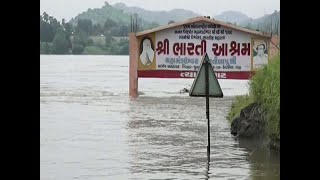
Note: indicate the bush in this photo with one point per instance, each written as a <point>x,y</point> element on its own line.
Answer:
<point>77,48</point>
<point>43,48</point>
<point>46,48</point>
<point>90,42</point>
<point>265,90</point>
<point>265,87</point>
<point>238,104</point>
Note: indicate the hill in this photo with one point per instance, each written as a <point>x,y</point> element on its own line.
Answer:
<point>160,17</point>
<point>264,23</point>
<point>100,15</point>
<point>121,13</point>
<point>232,17</point>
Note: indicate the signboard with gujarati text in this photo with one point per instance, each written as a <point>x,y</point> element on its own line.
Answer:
<point>177,52</point>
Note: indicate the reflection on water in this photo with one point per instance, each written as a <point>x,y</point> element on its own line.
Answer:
<point>91,130</point>
<point>264,164</point>
<point>168,138</point>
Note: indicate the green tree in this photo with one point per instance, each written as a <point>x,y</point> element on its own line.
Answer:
<point>108,38</point>
<point>97,29</point>
<point>46,48</point>
<point>63,22</point>
<point>55,24</point>
<point>46,32</point>
<point>124,31</point>
<point>45,17</point>
<point>80,41</point>
<point>80,38</point>
<point>77,49</point>
<point>124,47</point>
<point>60,43</point>
<point>89,42</point>
<point>85,25</point>
<point>69,29</point>
<point>52,31</point>
<point>109,24</point>
<point>51,19</point>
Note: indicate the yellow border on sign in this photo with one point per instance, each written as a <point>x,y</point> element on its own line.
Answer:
<point>152,66</point>
<point>252,45</point>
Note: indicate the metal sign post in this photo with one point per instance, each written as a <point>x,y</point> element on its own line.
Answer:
<point>207,105</point>
<point>206,85</point>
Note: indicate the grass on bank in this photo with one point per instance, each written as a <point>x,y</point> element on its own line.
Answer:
<point>264,89</point>
<point>239,103</point>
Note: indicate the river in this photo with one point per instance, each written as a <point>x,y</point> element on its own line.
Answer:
<point>90,129</point>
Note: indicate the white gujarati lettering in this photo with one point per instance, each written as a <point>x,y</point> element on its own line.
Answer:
<point>221,75</point>
<point>182,74</point>
<point>193,74</point>
<point>188,74</point>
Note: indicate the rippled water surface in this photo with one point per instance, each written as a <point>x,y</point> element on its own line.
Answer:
<point>90,129</point>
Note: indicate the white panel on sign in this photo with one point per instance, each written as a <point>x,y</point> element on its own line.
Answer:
<point>181,48</point>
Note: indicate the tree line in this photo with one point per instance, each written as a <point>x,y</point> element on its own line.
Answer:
<point>82,38</point>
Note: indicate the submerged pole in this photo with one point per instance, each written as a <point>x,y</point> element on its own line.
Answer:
<point>207,104</point>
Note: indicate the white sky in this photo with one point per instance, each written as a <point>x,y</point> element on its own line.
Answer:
<point>252,8</point>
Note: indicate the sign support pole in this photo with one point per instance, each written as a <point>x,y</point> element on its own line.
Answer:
<point>207,104</point>
<point>206,85</point>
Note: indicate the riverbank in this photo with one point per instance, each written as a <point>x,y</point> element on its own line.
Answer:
<point>257,115</point>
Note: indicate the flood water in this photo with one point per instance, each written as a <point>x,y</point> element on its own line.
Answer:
<point>90,129</point>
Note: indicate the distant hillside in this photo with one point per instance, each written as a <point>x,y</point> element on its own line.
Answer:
<point>121,13</point>
<point>160,17</point>
<point>100,15</point>
<point>264,22</point>
<point>232,17</point>
<point>105,30</point>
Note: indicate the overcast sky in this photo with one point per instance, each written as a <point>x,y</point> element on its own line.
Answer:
<point>253,8</point>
